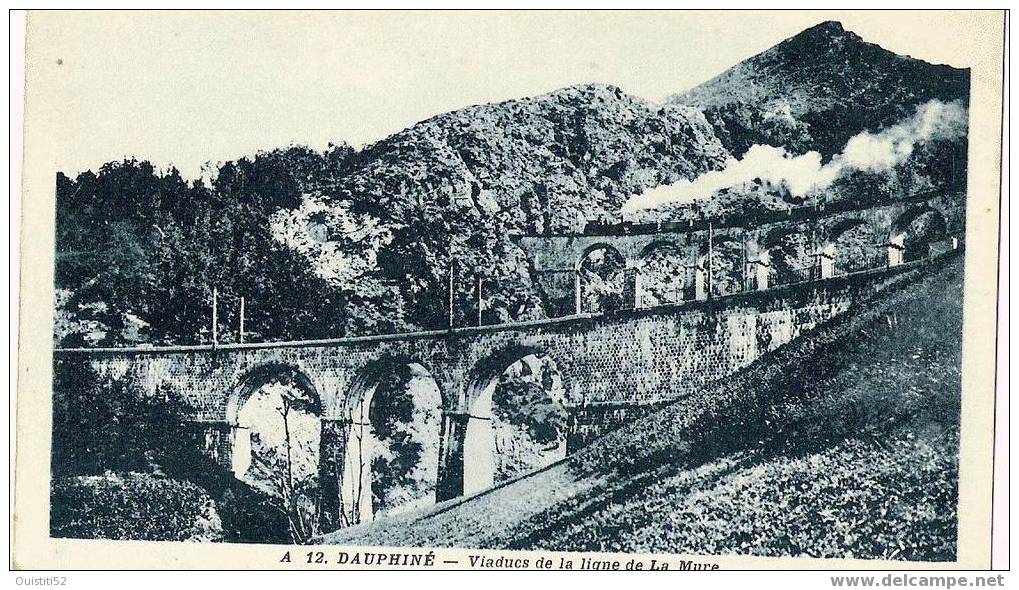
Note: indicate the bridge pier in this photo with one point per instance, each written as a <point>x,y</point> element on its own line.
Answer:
<point>215,440</point>
<point>639,297</point>
<point>896,250</point>
<point>332,454</point>
<point>762,273</point>
<point>632,295</point>
<point>700,282</point>
<point>825,263</point>
<point>577,301</point>
<point>450,483</point>
<point>690,281</point>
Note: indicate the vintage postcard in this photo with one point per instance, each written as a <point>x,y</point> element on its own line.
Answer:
<point>508,290</point>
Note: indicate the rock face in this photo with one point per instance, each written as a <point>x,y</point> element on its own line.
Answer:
<point>415,231</point>
<point>447,193</point>
<point>817,89</point>
<point>544,164</point>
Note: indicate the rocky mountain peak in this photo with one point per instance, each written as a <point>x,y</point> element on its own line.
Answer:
<point>823,32</point>
<point>827,83</point>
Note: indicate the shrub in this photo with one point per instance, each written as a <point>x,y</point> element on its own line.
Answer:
<point>843,443</point>
<point>528,404</point>
<point>250,515</point>
<point>102,424</point>
<point>135,506</point>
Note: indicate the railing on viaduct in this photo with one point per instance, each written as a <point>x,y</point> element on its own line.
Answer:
<point>757,218</point>
<point>611,364</point>
<point>715,257</point>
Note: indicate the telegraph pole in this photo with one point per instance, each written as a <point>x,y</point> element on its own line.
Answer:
<point>242,321</point>
<point>215,316</point>
<point>479,299</point>
<point>743,251</point>
<point>711,255</point>
<point>451,293</point>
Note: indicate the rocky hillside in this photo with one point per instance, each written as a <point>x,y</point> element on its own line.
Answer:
<point>446,194</point>
<point>363,241</point>
<point>817,89</point>
<point>352,242</point>
<point>546,163</point>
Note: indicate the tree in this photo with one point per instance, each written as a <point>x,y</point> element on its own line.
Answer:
<point>135,243</point>
<point>288,470</point>
<point>102,424</point>
<point>602,277</point>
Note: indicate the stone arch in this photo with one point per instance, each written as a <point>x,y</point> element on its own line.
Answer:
<point>912,234</point>
<point>251,383</point>
<point>600,278</point>
<point>371,373</point>
<point>851,246</point>
<point>665,274</point>
<point>786,256</point>
<point>601,245</point>
<point>389,427</point>
<point>728,266</point>
<point>484,459</point>
<point>840,227</point>
<point>263,374</point>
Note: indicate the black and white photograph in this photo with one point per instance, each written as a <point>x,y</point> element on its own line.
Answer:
<point>586,283</point>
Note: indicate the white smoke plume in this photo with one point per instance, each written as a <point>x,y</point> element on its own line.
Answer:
<point>866,151</point>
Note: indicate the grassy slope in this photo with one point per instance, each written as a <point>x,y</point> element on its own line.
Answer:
<point>841,444</point>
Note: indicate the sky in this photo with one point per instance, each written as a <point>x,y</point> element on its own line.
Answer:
<point>187,88</point>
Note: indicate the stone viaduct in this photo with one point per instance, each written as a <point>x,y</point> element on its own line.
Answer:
<point>610,363</point>
<point>823,234</point>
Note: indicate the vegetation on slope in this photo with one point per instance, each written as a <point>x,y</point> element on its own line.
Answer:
<point>132,506</point>
<point>138,253</point>
<point>843,443</point>
<point>341,242</point>
<point>345,241</point>
<point>127,465</point>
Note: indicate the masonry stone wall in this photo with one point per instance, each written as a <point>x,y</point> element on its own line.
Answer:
<point>613,366</point>
<point>556,259</point>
